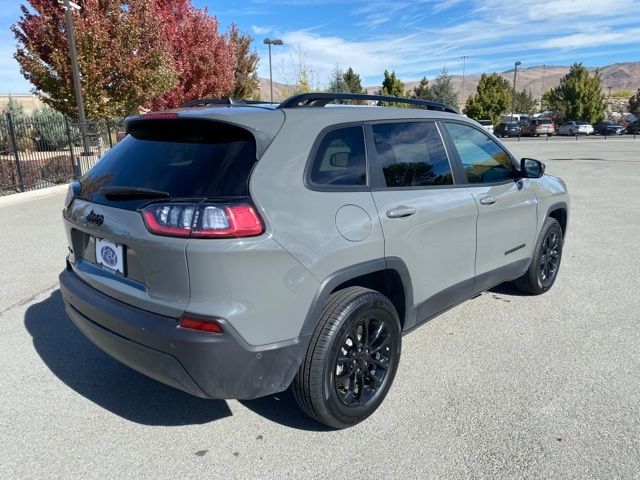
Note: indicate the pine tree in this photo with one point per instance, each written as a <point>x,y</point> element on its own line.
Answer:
<point>422,90</point>
<point>524,102</point>
<point>246,83</point>
<point>336,82</point>
<point>634,103</point>
<point>13,107</point>
<point>392,86</point>
<point>352,79</point>
<point>579,95</point>
<point>492,98</point>
<point>442,89</point>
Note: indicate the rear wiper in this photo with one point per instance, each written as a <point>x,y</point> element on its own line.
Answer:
<point>131,193</point>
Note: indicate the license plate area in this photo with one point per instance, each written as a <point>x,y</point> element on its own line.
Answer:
<point>110,255</point>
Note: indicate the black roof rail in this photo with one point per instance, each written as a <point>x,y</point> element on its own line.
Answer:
<point>320,99</point>
<point>221,101</point>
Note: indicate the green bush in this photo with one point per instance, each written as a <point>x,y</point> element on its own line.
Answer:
<point>50,131</point>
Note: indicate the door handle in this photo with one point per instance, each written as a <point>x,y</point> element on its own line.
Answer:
<point>488,200</point>
<point>401,212</point>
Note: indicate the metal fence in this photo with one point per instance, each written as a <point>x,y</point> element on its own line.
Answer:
<point>38,153</point>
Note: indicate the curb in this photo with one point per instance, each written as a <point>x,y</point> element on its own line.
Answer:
<point>23,197</point>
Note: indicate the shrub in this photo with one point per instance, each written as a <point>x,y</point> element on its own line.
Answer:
<point>8,175</point>
<point>57,169</point>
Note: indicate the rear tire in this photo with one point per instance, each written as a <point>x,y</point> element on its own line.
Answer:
<point>545,264</point>
<point>352,358</point>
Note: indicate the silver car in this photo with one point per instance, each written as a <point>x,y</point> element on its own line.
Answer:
<point>237,250</point>
<point>575,127</point>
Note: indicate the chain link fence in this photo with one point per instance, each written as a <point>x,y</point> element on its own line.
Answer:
<point>37,153</point>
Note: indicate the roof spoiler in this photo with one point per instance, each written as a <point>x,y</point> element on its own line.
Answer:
<point>221,101</point>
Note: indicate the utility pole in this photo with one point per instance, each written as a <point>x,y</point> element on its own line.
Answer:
<point>544,68</point>
<point>77,82</point>
<point>464,62</point>
<point>513,93</point>
<point>268,41</point>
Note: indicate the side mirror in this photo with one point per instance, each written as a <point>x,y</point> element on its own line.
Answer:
<point>339,159</point>
<point>531,168</point>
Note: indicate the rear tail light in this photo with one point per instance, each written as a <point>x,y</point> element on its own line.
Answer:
<point>202,220</point>
<point>209,326</point>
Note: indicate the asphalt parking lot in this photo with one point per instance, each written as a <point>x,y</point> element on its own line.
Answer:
<point>503,386</point>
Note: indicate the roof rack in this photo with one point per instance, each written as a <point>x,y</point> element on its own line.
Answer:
<point>320,99</point>
<point>221,101</point>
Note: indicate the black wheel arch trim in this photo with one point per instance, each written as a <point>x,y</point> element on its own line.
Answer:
<point>560,206</point>
<point>349,273</point>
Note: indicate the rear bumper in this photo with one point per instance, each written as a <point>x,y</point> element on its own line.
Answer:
<point>204,365</point>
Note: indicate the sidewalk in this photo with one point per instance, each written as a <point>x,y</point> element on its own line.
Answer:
<point>23,197</point>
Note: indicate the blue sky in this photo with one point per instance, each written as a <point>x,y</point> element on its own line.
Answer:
<point>414,38</point>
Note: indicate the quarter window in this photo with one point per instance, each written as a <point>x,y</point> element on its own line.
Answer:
<point>411,154</point>
<point>340,158</point>
<point>484,161</point>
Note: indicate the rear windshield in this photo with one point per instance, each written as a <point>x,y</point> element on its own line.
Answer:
<point>184,158</point>
<point>544,121</point>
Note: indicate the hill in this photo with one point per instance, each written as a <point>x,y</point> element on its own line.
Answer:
<point>618,76</point>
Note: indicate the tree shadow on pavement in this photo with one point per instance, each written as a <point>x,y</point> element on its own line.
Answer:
<point>106,382</point>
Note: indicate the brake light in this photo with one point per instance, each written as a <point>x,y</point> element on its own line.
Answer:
<point>159,116</point>
<point>209,326</point>
<point>203,220</point>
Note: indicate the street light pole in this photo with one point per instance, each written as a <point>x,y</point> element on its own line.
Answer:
<point>513,93</point>
<point>270,42</point>
<point>464,62</point>
<point>77,83</point>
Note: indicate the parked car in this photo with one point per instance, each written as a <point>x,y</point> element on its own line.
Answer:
<point>539,126</point>
<point>575,127</point>
<point>232,251</point>
<point>508,129</point>
<point>633,128</point>
<point>607,127</point>
<point>487,125</point>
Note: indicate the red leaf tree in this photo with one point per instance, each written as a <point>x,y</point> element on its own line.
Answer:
<point>122,59</point>
<point>203,59</point>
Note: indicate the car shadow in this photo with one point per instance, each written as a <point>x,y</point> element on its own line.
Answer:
<point>106,382</point>
<point>282,408</point>
<point>508,288</point>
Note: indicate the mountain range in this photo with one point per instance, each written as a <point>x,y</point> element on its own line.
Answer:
<point>618,76</point>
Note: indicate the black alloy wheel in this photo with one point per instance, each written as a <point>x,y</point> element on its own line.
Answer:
<point>550,258</point>
<point>545,264</point>
<point>352,358</point>
<point>363,361</point>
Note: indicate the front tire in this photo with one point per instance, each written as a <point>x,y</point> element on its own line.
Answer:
<point>352,358</point>
<point>543,271</point>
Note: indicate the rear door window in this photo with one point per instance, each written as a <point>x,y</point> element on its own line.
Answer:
<point>411,154</point>
<point>184,158</point>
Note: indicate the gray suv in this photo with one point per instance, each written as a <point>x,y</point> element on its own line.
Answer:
<point>236,250</point>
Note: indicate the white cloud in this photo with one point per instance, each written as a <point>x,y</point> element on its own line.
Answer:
<point>260,30</point>
<point>494,33</point>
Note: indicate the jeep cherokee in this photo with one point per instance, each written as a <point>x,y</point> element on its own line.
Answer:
<point>235,250</point>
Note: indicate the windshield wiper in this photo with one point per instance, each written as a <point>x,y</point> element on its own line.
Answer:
<point>131,193</point>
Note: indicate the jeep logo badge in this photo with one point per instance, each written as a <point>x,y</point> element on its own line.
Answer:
<point>94,218</point>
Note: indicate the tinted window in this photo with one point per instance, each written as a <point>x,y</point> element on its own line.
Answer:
<point>484,161</point>
<point>184,158</point>
<point>340,158</point>
<point>411,154</point>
